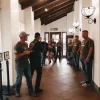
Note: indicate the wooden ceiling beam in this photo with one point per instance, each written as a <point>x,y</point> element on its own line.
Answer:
<point>55,11</point>
<point>24,1</point>
<point>41,4</point>
<point>55,19</point>
<point>52,8</point>
<point>27,3</point>
<point>34,3</point>
<point>53,5</point>
<point>57,16</point>
<point>58,13</point>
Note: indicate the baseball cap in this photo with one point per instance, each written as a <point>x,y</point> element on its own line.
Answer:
<point>22,34</point>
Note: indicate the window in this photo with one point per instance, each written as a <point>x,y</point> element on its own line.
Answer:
<point>47,37</point>
<point>55,37</point>
<point>64,44</point>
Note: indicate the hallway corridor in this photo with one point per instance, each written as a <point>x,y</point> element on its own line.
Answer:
<point>60,82</point>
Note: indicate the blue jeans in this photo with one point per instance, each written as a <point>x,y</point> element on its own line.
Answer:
<point>43,57</point>
<point>27,72</point>
<point>87,70</point>
<point>69,56</point>
<point>76,60</point>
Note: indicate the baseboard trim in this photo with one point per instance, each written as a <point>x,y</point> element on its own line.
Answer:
<point>96,87</point>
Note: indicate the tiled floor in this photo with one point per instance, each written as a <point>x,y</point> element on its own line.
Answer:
<point>60,82</point>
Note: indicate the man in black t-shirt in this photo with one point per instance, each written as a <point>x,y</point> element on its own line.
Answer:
<point>35,61</point>
<point>53,44</point>
<point>59,46</point>
<point>22,64</point>
<point>44,50</point>
<point>69,51</point>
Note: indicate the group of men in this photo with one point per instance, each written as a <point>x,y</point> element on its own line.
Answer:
<point>51,49</point>
<point>44,51</point>
<point>73,52</point>
<point>83,52</point>
<point>24,55</point>
<point>29,59</point>
<point>53,52</point>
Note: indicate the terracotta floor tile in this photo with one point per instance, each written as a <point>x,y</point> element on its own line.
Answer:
<point>60,82</point>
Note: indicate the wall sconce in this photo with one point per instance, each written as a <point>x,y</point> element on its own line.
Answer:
<point>76,25</point>
<point>71,31</point>
<point>88,12</point>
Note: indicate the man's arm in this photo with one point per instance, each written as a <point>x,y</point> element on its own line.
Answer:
<point>22,54</point>
<point>91,48</point>
<point>90,52</point>
<point>79,48</point>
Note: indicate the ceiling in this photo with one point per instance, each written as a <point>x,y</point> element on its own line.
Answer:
<point>56,9</point>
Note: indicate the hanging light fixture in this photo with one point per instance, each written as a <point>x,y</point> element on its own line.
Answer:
<point>76,25</point>
<point>70,30</point>
<point>88,12</point>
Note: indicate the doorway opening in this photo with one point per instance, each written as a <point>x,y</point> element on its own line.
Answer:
<point>56,36</point>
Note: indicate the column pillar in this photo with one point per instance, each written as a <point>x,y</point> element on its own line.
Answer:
<point>29,23</point>
<point>95,31</point>
<point>37,25</point>
<point>9,35</point>
<point>0,33</point>
<point>84,22</point>
<point>70,20</point>
<point>76,15</point>
<point>42,31</point>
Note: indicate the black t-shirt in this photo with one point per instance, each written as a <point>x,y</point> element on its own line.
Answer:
<point>53,45</point>
<point>45,46</point>
<point>76,45</point>
<point>69,47</point>
<point>59,44</point>
<point>37,50</point>
<point>85,46</point>
<point>20,48</point>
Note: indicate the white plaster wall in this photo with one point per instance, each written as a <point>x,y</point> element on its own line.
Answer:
<point>94,33</point>
<point>42,31</point>
<point>16,14</point>
<point>0,27</point>
<point>6,36</point>
<point>70,20</point>
<point>96,37</point>
<point>61,24</point>
<point>29,23</point>
<point>10,28</point>
<point>21,14</point>
<point>84,22</point>
<point>76,15</point>
<point>76,11</point>
<point>0,4</point>
<point>21,20</point>
<point>37,25</point>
